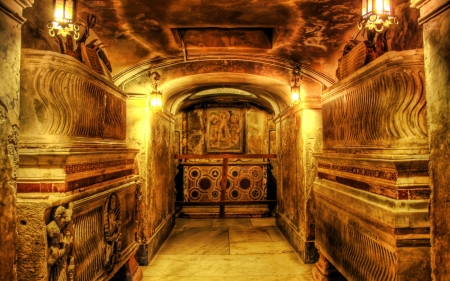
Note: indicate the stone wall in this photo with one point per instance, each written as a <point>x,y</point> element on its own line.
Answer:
<point>11,23</point>
<point>435,18</point>
<point>299,131</point>
<point>160,180</point>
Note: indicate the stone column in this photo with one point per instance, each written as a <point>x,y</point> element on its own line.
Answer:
<point>10,36</point>
<point>435,18</point>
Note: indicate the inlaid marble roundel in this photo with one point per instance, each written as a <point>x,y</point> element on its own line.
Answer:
<point>214,173</point>
<point>195,194</point>
<point>205,183</point>
<point>245,183</point>
<point>194,173</point>
<point>255,172</point>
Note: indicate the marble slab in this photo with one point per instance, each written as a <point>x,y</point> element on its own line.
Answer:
<point>245,222</point>
<point>197,241</point>
<point>245,248</point>
<point>287,264</point>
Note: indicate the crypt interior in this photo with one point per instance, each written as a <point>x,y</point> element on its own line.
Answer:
<point>325,128</point>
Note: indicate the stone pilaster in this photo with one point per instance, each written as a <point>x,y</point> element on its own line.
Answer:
<point>11,23</point>
<point>435,18</point>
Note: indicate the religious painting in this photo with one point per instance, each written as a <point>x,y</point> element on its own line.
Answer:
<point>224,130</point>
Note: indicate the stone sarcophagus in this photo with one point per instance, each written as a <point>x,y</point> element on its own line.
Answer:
<point>78,192</point>
<point>372,191</point>
<point>85,236</point>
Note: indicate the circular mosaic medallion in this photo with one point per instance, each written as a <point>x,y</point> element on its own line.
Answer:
<point>256,194</point>
<point>214,173</point>
<point>234,172</point>
<point>245,183</point>
<point>219,183</point>
<point>194,173</point>
<point>194,194</point>
<point>214,195</point>
<point>235,194</point>
<point>205,183</point>
<point>255,172</point>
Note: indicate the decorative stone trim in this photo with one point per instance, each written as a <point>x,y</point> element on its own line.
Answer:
<point>379,174</point>
<point>79,168</point>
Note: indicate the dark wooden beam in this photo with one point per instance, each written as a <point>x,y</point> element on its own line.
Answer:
<point>227,156</point>
<point>223,203</point>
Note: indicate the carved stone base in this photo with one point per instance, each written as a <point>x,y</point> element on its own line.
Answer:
<point>325,271</point>
<point>130,271</point>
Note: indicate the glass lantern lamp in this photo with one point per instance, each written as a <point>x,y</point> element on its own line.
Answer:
<point>64,16</point>
<point>377,15</point>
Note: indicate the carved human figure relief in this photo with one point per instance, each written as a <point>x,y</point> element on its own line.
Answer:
<point>60,240</point>
<point>112,224</point>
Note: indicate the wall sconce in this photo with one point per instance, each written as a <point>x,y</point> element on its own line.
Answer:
<point>155,95</point>
<point>64,15</point>
<point>295,85</point>
<point>377,15</point>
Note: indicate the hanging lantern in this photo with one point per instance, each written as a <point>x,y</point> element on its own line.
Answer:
<point>155,95</point>
<point>64,16</point>
<point>295,86</point>
<point>377,15</point>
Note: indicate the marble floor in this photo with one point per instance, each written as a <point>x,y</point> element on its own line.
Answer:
<point>226,249</point>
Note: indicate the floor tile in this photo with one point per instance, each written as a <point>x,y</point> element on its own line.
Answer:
<point>287,264</point>
<point>226,249</point>
<point>249,234</point>
<point>245,248</point>
<point>232,222</point>
<point>197,241</point>
<point>263,221</point>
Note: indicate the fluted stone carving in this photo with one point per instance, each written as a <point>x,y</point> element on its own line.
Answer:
<point>380,107</point>
<point>66,101</point>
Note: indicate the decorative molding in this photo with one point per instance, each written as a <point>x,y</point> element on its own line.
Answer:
<point>387,110</point>
<point>84,167</point>
<point>373,173</point>
<point>430,9</point>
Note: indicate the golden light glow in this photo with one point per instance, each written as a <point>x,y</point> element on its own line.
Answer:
<point>295,94</point>
<point>63,17</point>
<point>155,101</point>
<point>376,15</point>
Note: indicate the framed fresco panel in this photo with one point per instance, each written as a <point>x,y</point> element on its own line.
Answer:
<point>224,130</point>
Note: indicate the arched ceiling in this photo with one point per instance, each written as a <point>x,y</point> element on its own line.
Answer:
<point>309,32</point>
<point>245,45</point>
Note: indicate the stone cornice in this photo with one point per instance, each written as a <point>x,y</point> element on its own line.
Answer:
<point>429,9</point>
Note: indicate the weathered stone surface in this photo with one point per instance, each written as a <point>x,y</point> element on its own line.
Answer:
<point>300,135</point>
<point>10,31</point>
<point>68,103</point>
<point>160,180</point>
<point>95,236</point>
<point>381,106</point>
<point>435,17</point>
